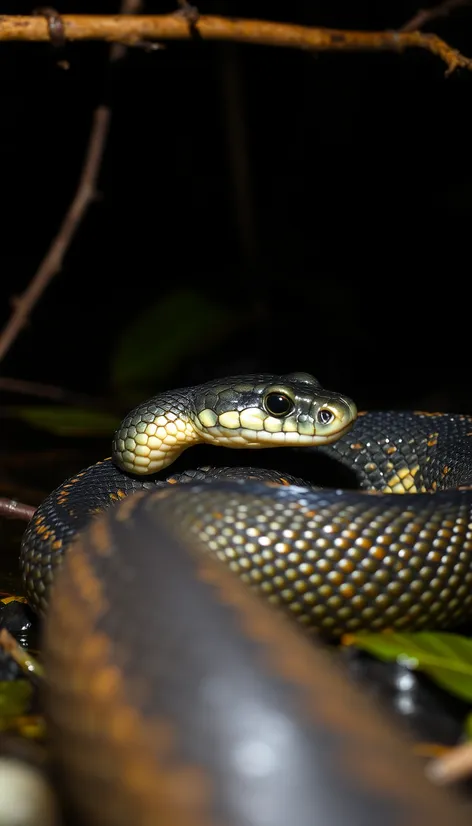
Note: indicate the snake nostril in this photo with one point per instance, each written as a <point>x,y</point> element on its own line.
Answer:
<point>325,416</point>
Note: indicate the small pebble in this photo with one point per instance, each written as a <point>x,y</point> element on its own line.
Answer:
<point>26,798</point>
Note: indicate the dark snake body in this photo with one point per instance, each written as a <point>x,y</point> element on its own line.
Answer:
<point>177,698</point>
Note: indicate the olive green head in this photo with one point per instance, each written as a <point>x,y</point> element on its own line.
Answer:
<point>291,409</point>
<point>254,411</point>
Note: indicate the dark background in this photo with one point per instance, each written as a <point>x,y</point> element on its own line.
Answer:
<point>318,204</point>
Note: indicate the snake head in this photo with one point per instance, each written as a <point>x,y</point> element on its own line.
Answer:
<point>253,411</point>
<point>271,411</point>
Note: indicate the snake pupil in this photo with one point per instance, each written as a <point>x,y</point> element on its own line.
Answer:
<point>278,405</point>
<point>325,416</point>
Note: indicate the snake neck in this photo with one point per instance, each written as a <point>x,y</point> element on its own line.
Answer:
<point>154,442</point>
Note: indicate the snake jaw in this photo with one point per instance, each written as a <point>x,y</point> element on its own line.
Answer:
<point>329,438</point>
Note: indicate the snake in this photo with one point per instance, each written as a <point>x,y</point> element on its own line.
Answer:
<point>180,691</point>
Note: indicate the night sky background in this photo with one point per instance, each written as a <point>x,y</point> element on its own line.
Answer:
<point>266,208</point>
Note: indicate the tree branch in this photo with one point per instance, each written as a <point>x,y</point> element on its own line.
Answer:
<point>132,30</point>
<point>15,510</point>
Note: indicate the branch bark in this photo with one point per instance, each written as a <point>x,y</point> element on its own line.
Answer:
<point>132,30</point>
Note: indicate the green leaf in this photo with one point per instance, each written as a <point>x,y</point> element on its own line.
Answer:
<point>15,698</point>
<point>69,421</point>
<point>182,324</point>
<point>445,657</point>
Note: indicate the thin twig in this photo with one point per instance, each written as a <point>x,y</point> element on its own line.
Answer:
<point>52,263</point>
<point>15,510</point>
<point>117,51</point>
<point>32,388</point>
<point>452,767</point>
<point>20,655</point>
<point>132,30</point>
<point>85,194</point>
<point>424,16</point>
<point>48,391</point>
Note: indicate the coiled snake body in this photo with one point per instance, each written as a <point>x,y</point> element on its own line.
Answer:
<point>176,697</point>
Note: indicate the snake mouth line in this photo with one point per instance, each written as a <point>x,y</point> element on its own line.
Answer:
<point>333,437</point>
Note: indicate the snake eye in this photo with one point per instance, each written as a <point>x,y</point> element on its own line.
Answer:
<point>277,404</point>
<point>325,416</point>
